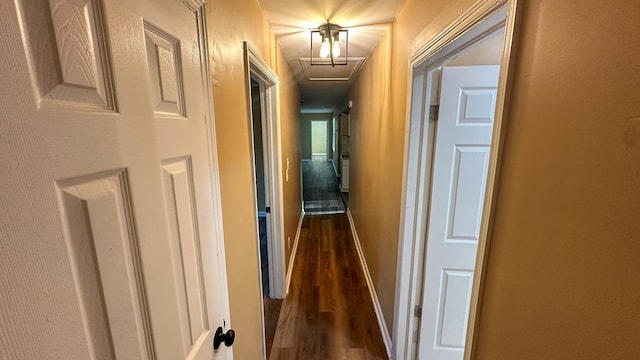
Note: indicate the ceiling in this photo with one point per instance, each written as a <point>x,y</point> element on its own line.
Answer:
<point>292,21</point>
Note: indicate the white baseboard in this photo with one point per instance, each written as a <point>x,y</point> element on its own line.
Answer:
<point>386,338</point>
<point>294,250</point>
<point>306,160</point>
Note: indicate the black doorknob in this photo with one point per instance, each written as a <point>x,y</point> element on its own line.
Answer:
<point>220,337</point>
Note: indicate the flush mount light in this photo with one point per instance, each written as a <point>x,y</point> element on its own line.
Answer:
<point>329,45</point>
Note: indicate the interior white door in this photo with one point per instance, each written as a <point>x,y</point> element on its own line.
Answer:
<point>119,111</point>
<point>463,139</point>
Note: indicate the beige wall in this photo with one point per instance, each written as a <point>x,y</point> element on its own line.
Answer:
<point>305,132</point>
<point>230,23</point>
<point>564,273</point>
<point>563,279</point>
<point>290,138</point>
<point>375,172</point>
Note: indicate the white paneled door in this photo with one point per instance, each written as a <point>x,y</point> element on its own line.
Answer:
<point>463,139</point>
<point>108,132</point>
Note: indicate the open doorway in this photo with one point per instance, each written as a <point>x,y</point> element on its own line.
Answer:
<point>319,140</point>
<point>320,184</point>
<point>457,104</point>
<point>262,93</point>
<point>271,307</point>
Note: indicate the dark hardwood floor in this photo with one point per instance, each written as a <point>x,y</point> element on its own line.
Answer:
<point>271,306</point>
<point>271,314</point>
<point>328,313</point>
<point>320,189</point>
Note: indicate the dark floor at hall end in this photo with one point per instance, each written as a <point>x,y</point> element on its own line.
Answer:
<point>320,188</point>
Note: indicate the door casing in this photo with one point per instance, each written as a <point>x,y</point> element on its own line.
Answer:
<point>257,69</point>
<point>482,19</point>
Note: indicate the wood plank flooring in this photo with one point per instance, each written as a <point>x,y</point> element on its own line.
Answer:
<point>271,306</point>
<point>328,313</point>
<point>271,314</point>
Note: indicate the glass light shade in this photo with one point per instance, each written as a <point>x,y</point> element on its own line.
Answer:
<point>329,45</point>
<point>336,48</point>
<point>324,48</point>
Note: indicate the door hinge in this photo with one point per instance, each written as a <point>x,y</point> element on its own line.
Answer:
<point>433,112</point>
<point>267,209</point>
<point>417,311</point>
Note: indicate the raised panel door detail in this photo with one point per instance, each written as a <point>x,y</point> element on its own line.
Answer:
<point>185,249</point>
<point>476,106</point>
<point>100,206</point>
<point>459,175</point>
<point>67,45</point>
<point>103,251</point>
<point>165,71</point>
<point>467,193</point>
<point>455,295</point>
<point>72,24</point>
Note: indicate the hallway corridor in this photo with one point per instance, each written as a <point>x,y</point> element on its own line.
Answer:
<point>328,313</point>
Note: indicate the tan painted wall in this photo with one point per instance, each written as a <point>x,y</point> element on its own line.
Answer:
<point>563,276</point>
<point>375,172</point>
<point>230,23</point>
<point>377,139</point>
<point>290,138</point>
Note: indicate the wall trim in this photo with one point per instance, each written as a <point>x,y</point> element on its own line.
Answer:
<point>294,252</point>
<point>384,331</point>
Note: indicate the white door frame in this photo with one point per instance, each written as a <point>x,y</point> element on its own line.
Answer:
<point>482,19</point>
<point>257,69</point>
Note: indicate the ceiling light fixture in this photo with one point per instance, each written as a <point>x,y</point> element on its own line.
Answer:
<point>327,44</point>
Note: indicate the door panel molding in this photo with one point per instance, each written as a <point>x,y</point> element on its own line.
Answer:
<point>103,252</point>
<point>165,71</point>
<point>68,57</point>
<point>459,175</point>
<point>177,180</point>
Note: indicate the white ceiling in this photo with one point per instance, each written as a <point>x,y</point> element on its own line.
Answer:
<point>292,21</point>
